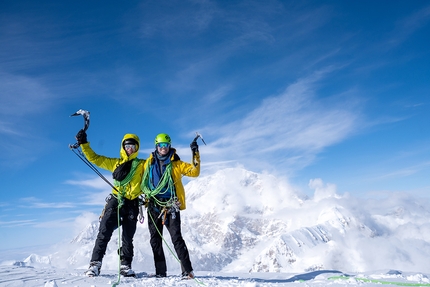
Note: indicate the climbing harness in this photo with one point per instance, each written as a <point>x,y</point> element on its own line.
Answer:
<point>166,207</point>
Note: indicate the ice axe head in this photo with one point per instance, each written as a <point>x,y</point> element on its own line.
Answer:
<point>86,115</point>
<point>199,136</point>
<point>81,112</point>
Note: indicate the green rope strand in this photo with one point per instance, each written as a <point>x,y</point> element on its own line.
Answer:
<point>377,281</point>
<point>120,199</point>
<point>162,237</point>
<point>129,176</point>
<point>168,247</point>
<point>120,203</point>
<point>165,181</point>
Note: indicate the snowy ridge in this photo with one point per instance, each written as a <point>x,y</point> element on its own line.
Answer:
<point>240,221</point>
<point>87,235</point>
<point>243,214</point>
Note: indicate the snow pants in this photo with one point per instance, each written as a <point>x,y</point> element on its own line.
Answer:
<point>173,225</point>
<point>109,222</point>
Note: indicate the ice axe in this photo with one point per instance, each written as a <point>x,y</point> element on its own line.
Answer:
<point>195,141</point>
<point>199,136</point>
<point>86,115</point>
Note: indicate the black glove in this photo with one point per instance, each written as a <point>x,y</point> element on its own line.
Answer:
<point>194,147</point>
<point>81,137</point>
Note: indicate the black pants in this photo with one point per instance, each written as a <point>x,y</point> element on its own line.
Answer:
<point>173,225</point>
<point>109,222</point>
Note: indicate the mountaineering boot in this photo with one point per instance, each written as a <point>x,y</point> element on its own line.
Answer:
<point>126,271</point>
<point>187,275</point>
<point>94,269</point>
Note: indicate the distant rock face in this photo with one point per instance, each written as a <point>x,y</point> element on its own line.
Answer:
<point>241,221</point>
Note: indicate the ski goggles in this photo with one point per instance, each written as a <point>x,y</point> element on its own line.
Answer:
<point>132,146</point>
<point>163,145</point>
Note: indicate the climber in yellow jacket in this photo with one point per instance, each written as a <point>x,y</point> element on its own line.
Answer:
<point>164,191</point>
<point>127,171</point>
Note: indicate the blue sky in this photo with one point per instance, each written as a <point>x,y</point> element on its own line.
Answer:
<point>337,90</point>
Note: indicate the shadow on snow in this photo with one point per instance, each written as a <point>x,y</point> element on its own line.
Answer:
<point>299,277</point>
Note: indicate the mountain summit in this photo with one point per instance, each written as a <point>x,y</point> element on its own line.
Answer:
<point>240,221</point>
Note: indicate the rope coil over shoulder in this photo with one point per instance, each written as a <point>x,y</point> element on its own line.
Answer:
<point>119,185</point>
<point>165,181</point>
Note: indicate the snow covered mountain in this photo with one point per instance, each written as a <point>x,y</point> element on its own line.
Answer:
<point>241,221</point>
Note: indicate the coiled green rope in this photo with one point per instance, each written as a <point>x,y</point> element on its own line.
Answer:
<point>165,181</point>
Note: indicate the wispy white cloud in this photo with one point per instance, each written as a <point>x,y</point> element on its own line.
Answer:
<point>33,223</point>
<point>33,202</point>
<point>15,223</point>
<point>190,16</point>
<point>95,190</point>
<point>22,98</point>
<point>21,95</point>
<point>216,96</point>
<point>7,128</point>
<point>242,29</point>
<point>405,171</point>
<point>407,26</point>
<point>57,223</point>
<point>287,130</point>
<point>94,182</point>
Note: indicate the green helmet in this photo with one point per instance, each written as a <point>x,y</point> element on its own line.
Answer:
<point>162,138</point>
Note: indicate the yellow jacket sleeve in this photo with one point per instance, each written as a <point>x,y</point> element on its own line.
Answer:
<point>99,160</point>
<point>132,189</point>
<point>181,168</point>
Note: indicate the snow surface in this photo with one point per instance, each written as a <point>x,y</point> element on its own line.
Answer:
<point>54,277</point>
<point>249,229</point>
